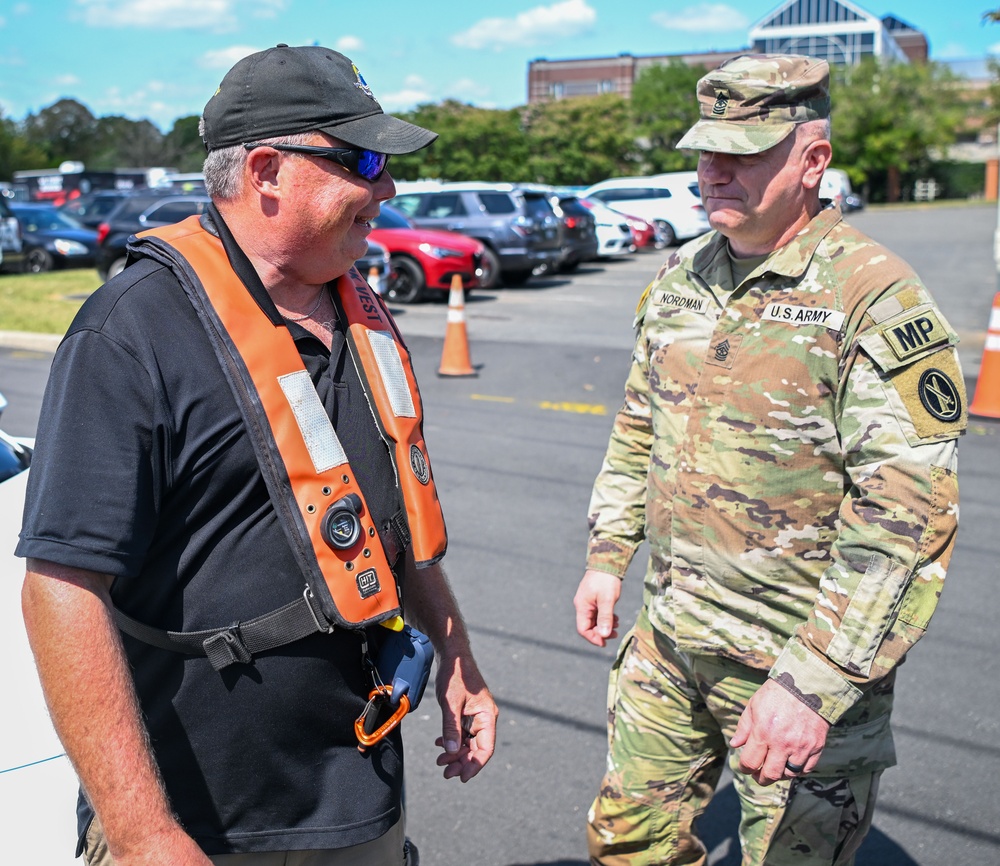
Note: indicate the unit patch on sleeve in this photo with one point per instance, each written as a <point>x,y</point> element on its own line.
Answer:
<point>933,393</point>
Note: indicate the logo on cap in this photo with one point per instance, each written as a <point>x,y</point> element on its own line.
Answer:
<point>361,84</point>
<point>721,104</point>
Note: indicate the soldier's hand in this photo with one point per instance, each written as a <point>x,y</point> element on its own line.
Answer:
<point>595,599</point>
<point>776,729</point>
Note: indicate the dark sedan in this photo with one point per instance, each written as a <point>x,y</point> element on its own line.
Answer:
<point>52,239</point>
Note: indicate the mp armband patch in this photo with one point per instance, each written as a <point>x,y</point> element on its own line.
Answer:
<point>933,392</point>
<point>915,335</point>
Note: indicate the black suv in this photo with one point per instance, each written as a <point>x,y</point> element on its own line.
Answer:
<point>517,226</point>
<point>136,213</point>
<point>11,240</point>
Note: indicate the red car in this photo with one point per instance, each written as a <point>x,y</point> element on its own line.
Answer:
<point>423,260</point>
<point>643,233</point>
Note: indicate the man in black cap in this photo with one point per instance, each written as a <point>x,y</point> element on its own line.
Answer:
<point>230,469</point>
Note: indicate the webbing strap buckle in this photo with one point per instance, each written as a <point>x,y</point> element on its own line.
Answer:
<point>225,648</point>
<point>316,612</point>
<point>365,724</point>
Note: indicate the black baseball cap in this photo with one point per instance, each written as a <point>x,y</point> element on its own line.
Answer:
<point>283,90</point>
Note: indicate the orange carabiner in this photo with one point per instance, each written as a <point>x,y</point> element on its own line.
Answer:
<point>365,738</point>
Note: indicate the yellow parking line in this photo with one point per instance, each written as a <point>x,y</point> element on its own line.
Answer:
<point>578,408</point>
<point>549,405</point>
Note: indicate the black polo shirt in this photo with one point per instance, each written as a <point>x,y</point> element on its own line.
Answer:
<point>143,471</point>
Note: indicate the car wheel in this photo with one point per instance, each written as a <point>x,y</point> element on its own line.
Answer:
<point>516,278</point>
<point>406,282</point>
<point>37,261</point>
<point>489,266</point>
<point>117,266</point>
<point>668,237</point>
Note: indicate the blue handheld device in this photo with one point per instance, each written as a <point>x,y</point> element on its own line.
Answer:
<point>404,661</point>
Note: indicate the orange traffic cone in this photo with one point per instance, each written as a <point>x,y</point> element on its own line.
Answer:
<point>986,401</point>
<point>455,359</point>
<point>373,280</point>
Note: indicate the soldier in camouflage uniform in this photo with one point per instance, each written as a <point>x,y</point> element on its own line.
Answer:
<point>787,447</point>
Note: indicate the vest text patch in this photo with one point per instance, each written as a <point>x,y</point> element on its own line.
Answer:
<point>914,335</point>
<point>792,314</point>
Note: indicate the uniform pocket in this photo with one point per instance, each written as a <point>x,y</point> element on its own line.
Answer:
<point>869,615</point>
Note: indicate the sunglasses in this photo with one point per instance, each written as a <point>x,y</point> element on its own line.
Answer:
<point>369,164</point>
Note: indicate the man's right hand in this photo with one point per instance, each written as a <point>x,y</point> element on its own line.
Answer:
<point>595,599</point>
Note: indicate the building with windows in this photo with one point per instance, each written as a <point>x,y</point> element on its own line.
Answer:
<point>839,31</point>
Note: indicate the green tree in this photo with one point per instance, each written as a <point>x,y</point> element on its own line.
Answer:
<point>578,141</point>
<point>892,119</point>
<point>183,147</point>
<point>473,144</point>
<point>664,107</point>
<point>123,143</point>
<point>16,153</point>
<point>65,130</point>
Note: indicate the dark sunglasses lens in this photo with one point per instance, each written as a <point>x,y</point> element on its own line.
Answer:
<point>371,163</point>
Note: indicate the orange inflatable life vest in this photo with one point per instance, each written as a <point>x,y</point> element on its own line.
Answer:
<point>341,552</point>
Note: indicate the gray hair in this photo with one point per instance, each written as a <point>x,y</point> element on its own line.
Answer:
<point>223,167</point>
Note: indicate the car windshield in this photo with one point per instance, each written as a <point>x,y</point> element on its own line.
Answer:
<point>44,219</point>
<point>390,218</point>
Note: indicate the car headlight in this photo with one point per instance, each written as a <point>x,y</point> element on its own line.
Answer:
<point>440,252</point>
<point>69,248</point>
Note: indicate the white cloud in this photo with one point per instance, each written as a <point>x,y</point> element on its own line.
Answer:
<point>414,92</point>
<point>67,80</point>
<point>347,44</point>
<point>212,15</point>
<point>541,24</point>
<point>706,18</point>
<point>468,90</point>
<point>226,58</point>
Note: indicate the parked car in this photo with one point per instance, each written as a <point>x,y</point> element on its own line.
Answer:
<point>15,455</point>
<point>135,213</point>
<point>518,228</point>
<point>670,201</point>
<point>51,239</point>
<point>578,240</point>
<point>614,237</point>
<point>836,186</point>
<point>11,243</point>
<point>376,258</point>
<point>424,261</point>
<point>92,208</point>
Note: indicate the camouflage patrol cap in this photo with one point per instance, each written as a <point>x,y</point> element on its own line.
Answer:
<point>752,102</point>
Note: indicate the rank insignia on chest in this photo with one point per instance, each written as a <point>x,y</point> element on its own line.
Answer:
<point>723,349</point>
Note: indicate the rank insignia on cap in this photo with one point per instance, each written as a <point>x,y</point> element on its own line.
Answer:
<point>361,84</point>
<point>721,104</point>
<point>939,395</point>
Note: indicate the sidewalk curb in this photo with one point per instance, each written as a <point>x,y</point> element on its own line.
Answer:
<point>30,341</point>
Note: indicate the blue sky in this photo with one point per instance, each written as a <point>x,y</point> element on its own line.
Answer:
<point>162,59</point>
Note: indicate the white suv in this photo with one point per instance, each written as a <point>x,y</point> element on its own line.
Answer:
<point>670,201</point>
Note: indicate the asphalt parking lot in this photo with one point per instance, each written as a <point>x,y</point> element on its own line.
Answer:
<point>515,451</point>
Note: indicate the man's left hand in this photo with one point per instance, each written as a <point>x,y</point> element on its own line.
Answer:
<point>469,718</point>
<point>776,729</point>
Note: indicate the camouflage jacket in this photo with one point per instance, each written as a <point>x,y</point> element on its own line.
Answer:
<point>788,449</point>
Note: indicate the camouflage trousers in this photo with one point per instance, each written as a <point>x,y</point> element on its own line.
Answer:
<point>670,717</point>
